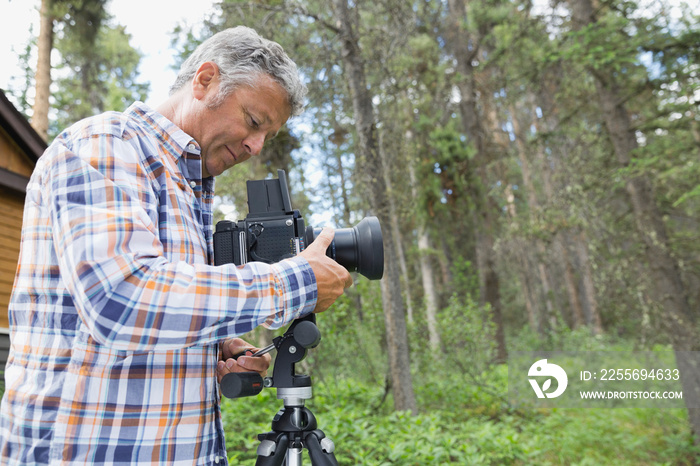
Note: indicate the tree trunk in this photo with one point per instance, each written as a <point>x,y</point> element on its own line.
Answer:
<point>489,285</point>
<point>370,163</point>
<point>396,230</point>
<point>695,126</point>
<point>40,112</point>
<point>426,270</point>
<point>445,266</point>
<point>668,289</point>
<point>519,252</point>
<point>483,215</point>
<point>577,319</point>
<point>544,319</point>
<point>593,315</point>
<point>429,293</point>
<point>351,292</point>
<point>534,317</point>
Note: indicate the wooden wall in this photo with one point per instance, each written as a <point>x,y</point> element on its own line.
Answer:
<point>11,208</point>
<point>12,158</point>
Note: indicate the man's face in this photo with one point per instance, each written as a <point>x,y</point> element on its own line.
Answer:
<point>235,130</point>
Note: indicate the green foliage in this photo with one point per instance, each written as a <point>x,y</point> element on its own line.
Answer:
<point>565,339</point>
<point>367,432</point>
<point>97,70</point>
<point>463,424</point>
<point>98,77</point>
<point>592,45</point>
<point>353,337</point>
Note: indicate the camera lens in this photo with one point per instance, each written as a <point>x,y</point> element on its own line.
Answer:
<point>358,249</point>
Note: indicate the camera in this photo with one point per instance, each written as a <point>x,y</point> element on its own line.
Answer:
<point>273,231</point>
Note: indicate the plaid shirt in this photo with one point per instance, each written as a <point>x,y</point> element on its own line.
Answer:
<point>116,312</point>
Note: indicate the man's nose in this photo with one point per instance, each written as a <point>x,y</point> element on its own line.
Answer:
<point>254,144</point>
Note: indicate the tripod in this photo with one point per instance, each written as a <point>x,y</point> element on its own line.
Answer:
<point>294,427</point>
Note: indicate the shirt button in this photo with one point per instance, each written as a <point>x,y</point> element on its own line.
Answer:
<point>193,184</point>
<point>191,147</point>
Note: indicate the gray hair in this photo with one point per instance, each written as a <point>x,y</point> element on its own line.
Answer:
<point>242,55</point>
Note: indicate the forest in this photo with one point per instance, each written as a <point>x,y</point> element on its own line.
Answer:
<point>535,168</point>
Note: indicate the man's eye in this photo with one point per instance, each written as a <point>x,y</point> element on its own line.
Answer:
<point>254,123</point>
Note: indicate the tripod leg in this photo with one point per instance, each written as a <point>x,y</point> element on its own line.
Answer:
<point>320,449</point>
<point>272,449</point>
<point>294,456</point>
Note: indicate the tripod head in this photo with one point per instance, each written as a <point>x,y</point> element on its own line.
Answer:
<point>294,427</point>
<point>291,348</point>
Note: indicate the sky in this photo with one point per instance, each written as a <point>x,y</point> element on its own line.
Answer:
<point>149,22</point>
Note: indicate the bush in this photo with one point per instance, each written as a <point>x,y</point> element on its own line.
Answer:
<point>461,423</point>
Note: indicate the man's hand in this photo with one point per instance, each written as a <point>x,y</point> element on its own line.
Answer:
<point>331,278</point>
<point>235,346</point>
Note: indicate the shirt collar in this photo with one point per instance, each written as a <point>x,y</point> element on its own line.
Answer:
<point>174,138</point>
<point>180,145</point>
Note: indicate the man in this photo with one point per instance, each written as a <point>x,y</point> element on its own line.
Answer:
<point>120,324</point>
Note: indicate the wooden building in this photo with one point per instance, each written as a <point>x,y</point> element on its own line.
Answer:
<point>20,148</point>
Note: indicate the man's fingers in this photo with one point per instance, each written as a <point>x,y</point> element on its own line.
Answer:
<point>258,364</point>
<point>244,363</point>
<point>236,346</point>
<point>331,278</point>
<point>324,239</point>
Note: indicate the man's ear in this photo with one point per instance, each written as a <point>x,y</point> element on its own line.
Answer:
<point>205,80</point>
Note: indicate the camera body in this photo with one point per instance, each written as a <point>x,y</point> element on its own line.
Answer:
<point>273,231</point>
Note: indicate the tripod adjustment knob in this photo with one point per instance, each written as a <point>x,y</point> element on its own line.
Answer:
<point>266,448</point>
<point>307,334</point>
<point>327,445</point>
<point>240,384</point>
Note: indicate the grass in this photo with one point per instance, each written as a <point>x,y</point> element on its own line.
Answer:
<point>466,425</point>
